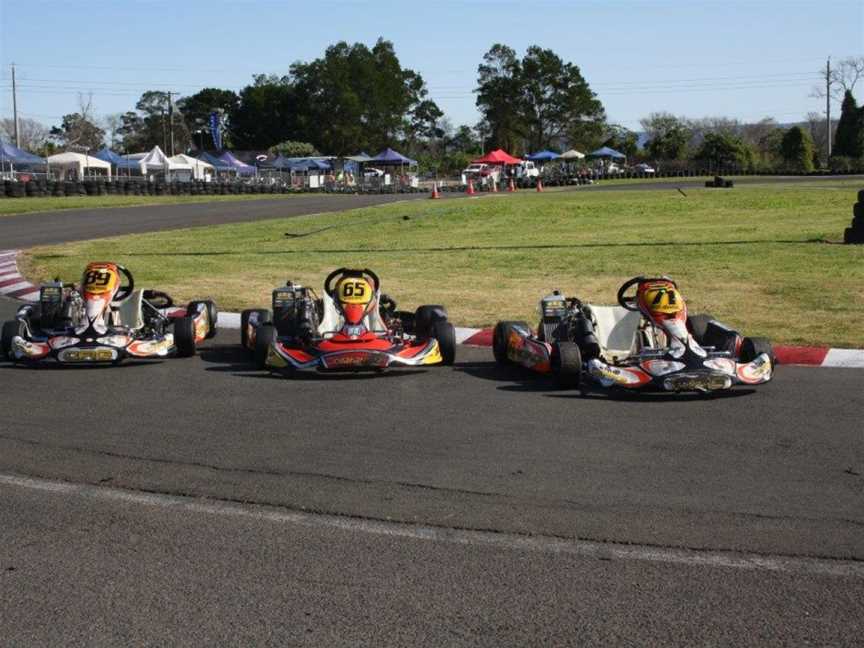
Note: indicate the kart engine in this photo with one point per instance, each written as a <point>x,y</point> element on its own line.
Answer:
<point>59,306</point>
<point>296,311</point>
<point>562,319</point>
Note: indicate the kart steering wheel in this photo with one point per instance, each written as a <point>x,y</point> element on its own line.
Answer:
<point>124,291</point>
<point>339,272</point>
<point>629,302</point>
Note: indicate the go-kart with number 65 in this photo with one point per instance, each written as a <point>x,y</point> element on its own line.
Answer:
<point>352,327</point>
<point>646,342</point>
<point>105,320</point>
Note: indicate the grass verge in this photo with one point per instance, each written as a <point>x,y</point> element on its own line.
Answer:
<point>755,256</point>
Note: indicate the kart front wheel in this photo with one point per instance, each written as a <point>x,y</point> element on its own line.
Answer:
<point>501,337</point>
<point>445,333</point>
<point>262,315</point>
<point>10,330</point>
<point>212,314</point>
<point>264,337</point>
<point>752,347</point>
<point>184,337</point>
<point>567,364</point>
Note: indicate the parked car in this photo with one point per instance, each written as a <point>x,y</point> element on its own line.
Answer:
<point>481,173</point>
<point>643,168</point>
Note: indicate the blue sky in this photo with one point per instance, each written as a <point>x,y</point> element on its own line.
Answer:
<point>744,59</point>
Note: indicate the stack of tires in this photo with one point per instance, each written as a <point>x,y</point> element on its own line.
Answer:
<point>855,234</point>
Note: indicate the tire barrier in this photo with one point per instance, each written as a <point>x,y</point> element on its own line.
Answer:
<point>854,235</point>
<point>719,183</point>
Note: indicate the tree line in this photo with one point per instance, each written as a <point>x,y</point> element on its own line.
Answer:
<point>358,98</point>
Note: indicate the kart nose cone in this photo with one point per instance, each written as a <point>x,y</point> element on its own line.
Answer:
<point>354,313</point>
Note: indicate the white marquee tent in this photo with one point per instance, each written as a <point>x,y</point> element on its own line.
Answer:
<point>66,164</point>
<point>572,154</point>
<point>156,161</point>
<point>201,170</point>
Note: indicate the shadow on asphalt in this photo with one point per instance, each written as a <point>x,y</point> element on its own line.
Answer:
<point>56,366</point>
<point>524,381</point>
<point>232,358</point>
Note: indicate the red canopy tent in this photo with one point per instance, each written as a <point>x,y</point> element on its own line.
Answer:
<point>497,156</point>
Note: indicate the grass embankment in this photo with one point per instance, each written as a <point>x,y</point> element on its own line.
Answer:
<point>752,256</point>
<point>10,206</point>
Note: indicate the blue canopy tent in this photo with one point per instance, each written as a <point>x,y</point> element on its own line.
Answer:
<point>240,167</point>
<point>389,157</point>
<point>217,163</point>
<point>543,156</point>
<point>118,162</point>
<point>606,152</point>
<point>14,156</point>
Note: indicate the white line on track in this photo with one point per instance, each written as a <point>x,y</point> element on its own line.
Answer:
<point>546,544</point>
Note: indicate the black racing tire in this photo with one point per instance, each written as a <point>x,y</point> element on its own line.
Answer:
<point>500,335</point>
<point>445,333</point>
<point>10,330</point>
<point>263,316</point>
<point>184,337</point>
<point>753,346</point>
<point>861,196</point>
<point>698,326</point>
<point>212,313</point>
<point>858,209</point>
<point>264,337</point>
<point>424,316</point>
<point>567,364</point>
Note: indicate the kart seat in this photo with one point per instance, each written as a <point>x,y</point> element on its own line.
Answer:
<point>616,329</point>
<point>333,321</point>
<point>129,310</point>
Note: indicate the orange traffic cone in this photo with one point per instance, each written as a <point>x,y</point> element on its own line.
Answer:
<point>539,185</point>
<point>435,195</point>
<point>470,191</point>
<point>512,186</point>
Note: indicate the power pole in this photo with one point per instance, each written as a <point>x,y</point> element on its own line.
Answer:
<point>15,107</point>
<point>828,105</point>
<point>171,121</point>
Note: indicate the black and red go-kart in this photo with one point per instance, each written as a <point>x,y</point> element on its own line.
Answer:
<point>648,341</point>
<point>353,327</point>
<point>105,320</point>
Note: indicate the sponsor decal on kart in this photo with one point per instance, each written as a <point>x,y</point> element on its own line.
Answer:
<point>102,354</point>
<point>21,349</point>
<point>697,382</point>
<point>202,325</point>
<point>149,348</point>
<point>528,353</point>
<point>757,371</point>
<point>355,360</point>
<point>623,377</point>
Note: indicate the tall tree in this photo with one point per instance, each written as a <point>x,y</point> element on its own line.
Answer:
<point>849,139</point>
<point>668,136</point>
<point>725,149</point>
<point>499,89</point>
<point>151,125</point>
<point>265,114</point>
<point>357,98</point>
<point>536,102</point>
<point>78,131</point>
<point>32,134</point>
<point>621,139</point>
<point>196,110</point>
<point>797,149</point>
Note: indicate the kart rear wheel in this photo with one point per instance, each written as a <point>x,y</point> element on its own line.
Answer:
<point>184,337</point>
<point>752,347</point>
<point>264,337</point>
<point>212,313</point>
<point>262,316</point>
<point>10,330</point>
<point>567,364</point>
<point>445,333</point>
<point>698,325</point>
<point>500,337</point>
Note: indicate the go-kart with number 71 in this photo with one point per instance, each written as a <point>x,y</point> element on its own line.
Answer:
<point>105,320</point>
<point>352,327</point>
<point>647,342</point>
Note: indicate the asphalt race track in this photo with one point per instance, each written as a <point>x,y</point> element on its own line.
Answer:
<point>199,502</point>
